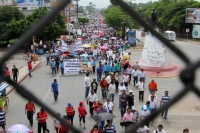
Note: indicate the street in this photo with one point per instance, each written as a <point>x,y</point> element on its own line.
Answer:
<point>71,89</point>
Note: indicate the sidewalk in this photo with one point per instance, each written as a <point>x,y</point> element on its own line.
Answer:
<point>23,73</point>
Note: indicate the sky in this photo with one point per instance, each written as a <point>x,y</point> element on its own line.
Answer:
<point>104,3</point>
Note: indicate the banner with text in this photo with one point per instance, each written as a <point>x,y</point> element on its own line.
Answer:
<point>71,66</point>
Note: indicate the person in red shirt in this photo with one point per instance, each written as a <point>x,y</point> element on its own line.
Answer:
<point>95,106</point>
<point>95,129</point>
<point>30,68</point>
<point>70,112</point>
<point>103,84</point>
<point>7,73</point>
<point>82,112</point>
<point>41,118</point>
<point>30,110</point>
<point>64,129</point>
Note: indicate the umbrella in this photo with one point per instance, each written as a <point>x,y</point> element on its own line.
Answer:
<point>86,46</point>
<point>113,38</point>
<point>127,123</point>
<point>103,47</point>
<point>103,116</point>
<point>87,39</point>
<point>18,127</point>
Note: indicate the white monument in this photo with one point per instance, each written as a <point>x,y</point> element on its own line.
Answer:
<point>153,54</point>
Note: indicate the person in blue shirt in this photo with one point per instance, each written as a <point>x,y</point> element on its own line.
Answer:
<point>148,106</point>
<point>53,66</point>
<point>93,65</point>
<point>62,67</point>
<point>106,69</point>
<point>112,68</point>
<point>99,73</point>
<point>47,57</point>
<point>54,89</point>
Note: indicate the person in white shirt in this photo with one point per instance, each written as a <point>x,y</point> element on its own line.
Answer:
<point>109,106</point>
<point>135,74</point>
<point>140,87</point>
<point>103,61</point>
<point>126,79</point>
<point>108,80</point>
<point>111,91</point>
<point>160,129</point>
<point>154,106</point>
<point>120,90</point>
<point>143,129</point>
<point>142,75</point>
<point>91,98</point>
<point>87,84</point>
<point>129,71</point>
<point>144,114</point>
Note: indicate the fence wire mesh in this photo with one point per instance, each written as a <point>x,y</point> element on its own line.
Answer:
<point>187,76</point>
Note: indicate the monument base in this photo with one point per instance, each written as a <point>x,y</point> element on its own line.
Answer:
<point>170,70</point>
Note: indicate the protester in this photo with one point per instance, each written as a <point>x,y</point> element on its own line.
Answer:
<point>109,128</point>
<point>30,68</point>
<point>103,84</point>
<point>95,129</point>
<point>160,129</point>
<point>123,100</point>
<point>53,66</point>
<point>70,112</point>
<point>129,72</point>
<point>30,110</point>
<point>7,73</point>
<point>62,67</point>
<point>152,87</point>
<point>165,99</point>
<point>101,109</point>
<point>121,89</point>
<point>54,89</point>
<point>148,106</point>
<point>91,98</point>
<point>47,55</point>
<point>93,65</point>
<point>41,118</point>
<point>62,128</point>
<point>117,80</point>
<point>87,84</point>
<point>144,114</point>
<point>111,91</point>
<point>82,113</point>
<point>130,99</point>
<point>154,106</point>
<point>109,106</point>
<point>106,68</point>
<point>135,112</point>
<point>56,124</point>
<point>108,80</point>
<point>142,75</point>
<point>99,73</point>
<point>95,106</point>
<point>57,63</point>
<point>126,79</point>
<point>140,87</point>
<point>94,85</point>
<point>143,129</point>
<point>15,73</point>
<point>135,74</point>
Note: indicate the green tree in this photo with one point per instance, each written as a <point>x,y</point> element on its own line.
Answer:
<point>116,18</point>
<point>83,20</point>
<point>7,14</point>
<point>50,32</point>
<point>80,9</point>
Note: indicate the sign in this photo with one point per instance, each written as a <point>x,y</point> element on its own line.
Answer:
<point>86,67</point>
<point>187,30</point>
<point>73,47</point>
<point>192,15</point>
<point>30,3</point>
<point>153,54</point>
<point>89,8</point>
<point>71,66</point>
<point>132,37</point>
<point>196,31</point>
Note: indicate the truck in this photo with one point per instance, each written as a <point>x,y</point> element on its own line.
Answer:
<point>132,37</point>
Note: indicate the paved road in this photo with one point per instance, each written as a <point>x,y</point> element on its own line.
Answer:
<point>184,114</point>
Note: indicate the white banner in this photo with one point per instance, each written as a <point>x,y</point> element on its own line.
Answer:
<point>71,66</point>
<point>73,47</point>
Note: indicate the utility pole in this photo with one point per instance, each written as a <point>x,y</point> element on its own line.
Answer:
<point>77,8</point>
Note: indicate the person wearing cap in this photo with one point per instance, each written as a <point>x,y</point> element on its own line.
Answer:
<point>123,100</point>
<point>111,91</point>
<point>143,129</point>
<point>152,86</point>
<point>144,114</point>
<point>140,87</point>
<point>153,94</point>
<point>160,129</point>
<point>70,112</point>
<point>130,99</point>
<point>154,106</point>
<point>126,79</point>
<point>91,99</point>
<point>135,112</point>
<point>142,75</point>
<point>82,113</point>
<point>121,89</point>
<point>148,106</point>
<point>95,106</point>
<point>53,66</point>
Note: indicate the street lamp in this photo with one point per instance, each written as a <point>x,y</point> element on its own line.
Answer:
<point>77,8</point>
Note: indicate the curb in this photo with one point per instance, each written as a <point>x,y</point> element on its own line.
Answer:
<point>193,42</point>
<point>21,79</point>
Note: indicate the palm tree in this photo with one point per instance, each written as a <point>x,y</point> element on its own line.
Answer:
<point>90,3</point>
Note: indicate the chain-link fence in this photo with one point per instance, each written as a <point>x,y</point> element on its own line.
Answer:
<point>187,75</point>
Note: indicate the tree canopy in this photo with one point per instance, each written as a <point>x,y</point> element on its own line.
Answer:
<point>83,20</point>
<point>55,28</point>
